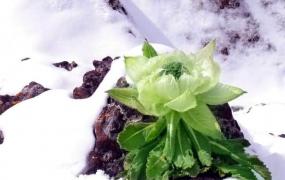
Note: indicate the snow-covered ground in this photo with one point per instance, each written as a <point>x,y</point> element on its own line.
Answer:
<point>82,30</point>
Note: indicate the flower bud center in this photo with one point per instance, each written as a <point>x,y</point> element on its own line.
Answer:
<point>176,69</point>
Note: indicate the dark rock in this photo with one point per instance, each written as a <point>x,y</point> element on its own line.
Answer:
<point>1,137</point>
<point>237,108</point>
<point>234,37</point>
<point>117,6</point>
<point>107,154</point>
<point>29,91</point>
<point>229,4</point>
<point>66,65</point>
<point>32,90</point>
<point>92,79</point>
<point>228,124</point>
<point>25,59</point>
<point>225,51</point>
<point>253,39</point>
<point>6,101</point>
<point>282,135</point>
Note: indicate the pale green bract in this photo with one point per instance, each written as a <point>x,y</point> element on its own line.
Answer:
<point>160,93</point>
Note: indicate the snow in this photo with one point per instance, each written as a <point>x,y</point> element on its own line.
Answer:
<point>81,30</point>
<point>51,135</point>
<point>189,24</point>
<point>257,123</point>
<point>52,31</point>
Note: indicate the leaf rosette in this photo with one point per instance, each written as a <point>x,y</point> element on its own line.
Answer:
<point>186,139</point>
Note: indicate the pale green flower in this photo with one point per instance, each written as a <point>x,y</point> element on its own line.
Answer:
<point>172,80</point>
<point>175,82</point>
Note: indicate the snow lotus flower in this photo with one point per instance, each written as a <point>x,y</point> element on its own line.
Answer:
<point>185,138</point>
<point>172,81</point>
<point>177,82</point>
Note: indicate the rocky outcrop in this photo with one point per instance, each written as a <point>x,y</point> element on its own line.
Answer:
<point>33,89</point>
<point>92,79</point>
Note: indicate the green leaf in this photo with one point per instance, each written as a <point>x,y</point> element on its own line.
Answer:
<point>183,102</point>
<point>220,94</point>
<point>237,171</point>
<point>238,154</point>
<point>128,97</point>
<point>201,145</point>
<point>133,136</point>
<point>201,119</point>
<point>135,162</point>
<point>135,67</point>
<point>260,167</point>
<point>148,50</point>
<point>157,128</point>
<point>157,164</point>
<point>172,125</point>
<point>183,157</point>
<point>205,157</point>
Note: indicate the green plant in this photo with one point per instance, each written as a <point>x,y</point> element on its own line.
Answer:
<point>185,139</point>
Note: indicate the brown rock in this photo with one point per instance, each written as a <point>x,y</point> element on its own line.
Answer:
<point>1,137</point>
<point>31,90</point>
<point>6,101</point>
<point>66,65</point>
<point>92,79</point>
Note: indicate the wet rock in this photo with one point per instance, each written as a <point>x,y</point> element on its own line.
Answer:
<point>31,90</point>
<point>92,79</point>
<point>66,65</point>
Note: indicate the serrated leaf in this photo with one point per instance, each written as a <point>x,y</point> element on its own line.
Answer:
<point>220,94</point>
<point>128,97</point>
<point>157,164</point>
<point>148,50</point>
<point>183,158</point>
<point>201,145</point>
<point>205,157</point>
<point>238,154</point>
<point>201,119</point>
<point>135,164</point>
<point>238,171</point>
